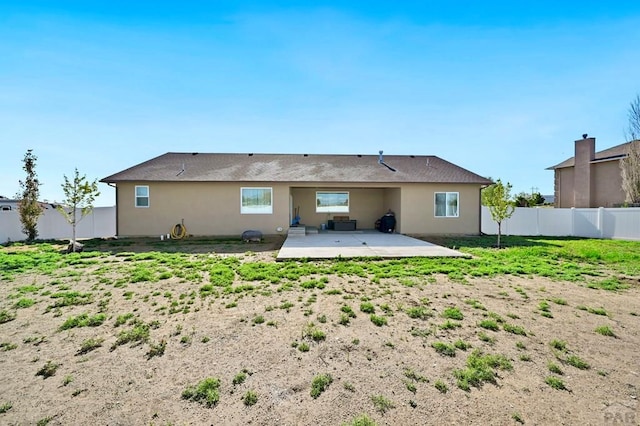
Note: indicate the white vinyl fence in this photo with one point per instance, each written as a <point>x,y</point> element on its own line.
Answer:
<point>616,223</point>
<point>101,222</point>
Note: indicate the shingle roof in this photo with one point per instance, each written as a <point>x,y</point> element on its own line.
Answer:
<point>201,167</point>
<point>613,153</point>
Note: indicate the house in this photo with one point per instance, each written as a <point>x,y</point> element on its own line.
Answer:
<point>590,178</point>
<point>226,194</point>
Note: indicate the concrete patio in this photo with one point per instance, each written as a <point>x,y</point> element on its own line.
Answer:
<point>332,244</point>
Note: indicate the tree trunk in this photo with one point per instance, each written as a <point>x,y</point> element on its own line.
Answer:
<point>73,226</point>
<point>499,232</point>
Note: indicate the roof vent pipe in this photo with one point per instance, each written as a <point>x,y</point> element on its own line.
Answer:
<point>380,158</point>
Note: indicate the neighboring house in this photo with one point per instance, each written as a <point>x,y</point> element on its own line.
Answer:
<point>226,194</point>
<point>590,178</point>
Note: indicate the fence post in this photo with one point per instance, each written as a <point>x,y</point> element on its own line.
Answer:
<point>573,222</point>
<point>600,222</point>
<point>538,221</point>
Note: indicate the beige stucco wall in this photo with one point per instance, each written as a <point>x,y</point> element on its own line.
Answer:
<point>418,210</point>
<point>214,208</point>
<point>564,187</point>
<point>207,209</point>
<point>607,184</point>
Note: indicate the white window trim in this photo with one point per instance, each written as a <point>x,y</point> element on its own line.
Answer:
<point>267,210</point>
<point>435,204</point>
<point>135,197</point>
<point>328,209</point>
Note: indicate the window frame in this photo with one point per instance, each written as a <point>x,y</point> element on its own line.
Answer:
<point>136,197</point>
<point>446,204</point>
<point>333,208</point>
<point>267,209</point>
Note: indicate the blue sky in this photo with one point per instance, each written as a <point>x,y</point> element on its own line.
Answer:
<point>500,88</point>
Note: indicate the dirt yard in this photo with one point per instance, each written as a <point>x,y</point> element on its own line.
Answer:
<point>266,340</point>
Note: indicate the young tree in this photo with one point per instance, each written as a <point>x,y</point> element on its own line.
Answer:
<point>29,207</point>
<point>79,195</point>
<point>630,165</point>
<point>497,198</point>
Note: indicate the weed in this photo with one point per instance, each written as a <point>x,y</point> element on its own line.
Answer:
<point>205,339</point>
<point>24,303</point>
<point>361,420</point>
<point>137,335</point>
<point>555,383</point>
<point>462,345</point>
<point>446,349</point>
<point>6,346</point>
<point>239,378</point>
<point>520,345</point>
<point>577,362</point>
<point>312,332</point>
<point>412,375</point>
<point>250,398</point>
<point>418,312</point>
<point>559,301</point>
<point>347,310</point>
<point>486,338</point>
<point>525,357</point>
<point>322,319</point>
<point>420,332</point>
<point>555,368</point>
<point>453,313</point>
<point>344,319</point>
<point>515,329</point>
<point>48,370</point>
<point>367,307</point>
<point>605,330</point>
<point>89,345</point>
<point>5,407</point>
<point>378,320</point>
<point>450,325</point>
<point>122,319</point>
<point>475,304</point>
<point>560,345</point>
<point>480,368</point>
<point>44,421</point>
<point>517,418</point>
<point>303,347</point>
<point>6,316</point>
<point>206,392</point>
<point>156,349</point>
<point>489,325</point>
<point>441,386</point>
<point>258,319</point>
<point>319,384</point>
<point>597,311</point>
<point>382,404</point>
<point>83,320</point>
<point>67,380</point>
<point>411,387</point>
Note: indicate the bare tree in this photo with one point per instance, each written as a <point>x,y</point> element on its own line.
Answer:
<point>630,165</point>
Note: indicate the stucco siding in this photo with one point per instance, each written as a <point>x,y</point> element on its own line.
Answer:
<point>418,210</point>
<point>206,208</point>
<point>564,180</point>
<point>608,184</point>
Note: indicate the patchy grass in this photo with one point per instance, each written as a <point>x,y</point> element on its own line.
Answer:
<point>480,368</point>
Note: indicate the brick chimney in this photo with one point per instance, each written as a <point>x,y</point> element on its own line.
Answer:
<point>582,182</point>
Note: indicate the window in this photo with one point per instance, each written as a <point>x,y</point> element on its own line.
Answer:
<point>446,204</point>
<point>142,196</point>
<point>332,202</point>
<point>255,201</point>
